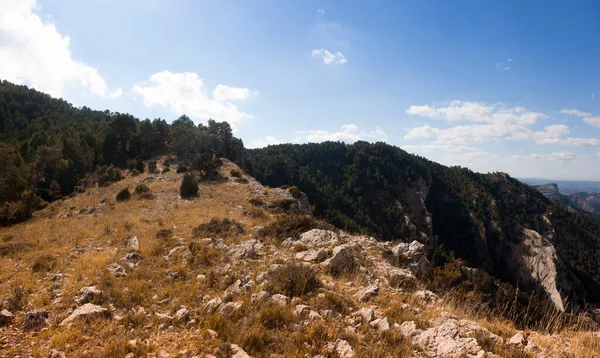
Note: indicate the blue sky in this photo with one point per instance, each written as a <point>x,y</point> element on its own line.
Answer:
<point>495,86</point>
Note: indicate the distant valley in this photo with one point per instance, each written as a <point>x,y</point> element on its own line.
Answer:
<point>582,201</point>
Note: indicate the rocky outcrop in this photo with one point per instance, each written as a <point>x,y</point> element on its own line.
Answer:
<point>89,294</point>
<point>342,260</point>
<point>6,318</point>
<point>341,348</point>
<point>35,320</point>
<point>315,238</point>
<point>289,201</point>
<point>411,256</point>
<point>448,337</point>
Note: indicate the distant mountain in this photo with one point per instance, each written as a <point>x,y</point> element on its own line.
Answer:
<point>581,201</point>
<point>566,186</point>
<point>550,191</point>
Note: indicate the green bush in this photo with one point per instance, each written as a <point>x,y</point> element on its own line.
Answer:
<point>235,173</point>
<point>152,165</point>
<point>189,186</point>
<point>108,175</point>
<point>123,195</point>
<point>139,165</point>
<point>142,188</point>
<point>166,170</point>
<point>130,164</point>
<point>182,169</point>
<point>295,192</point>
<point>135,173</point>
<point>291,226</point>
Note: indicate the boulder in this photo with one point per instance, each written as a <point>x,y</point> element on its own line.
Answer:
<point>230,307</point>
<point>212,305</point>
<point>301,310</point>
<point>86,312</point>
<point>342,260</point>
<point>412,256</point>
<point>6,318</point>
<point>246,250</point>
<point>133,244</point>
<point>369,293</point>
<point>238,352</point>
<point>182,315</point>
<point>521,340</point>
<point>88,294</point>
<point>317,237</point>
<point>35,320</point>
<point>341,348</point>
<point>261,296</point>
<point>312,255</point>
<point>381,324</point>
<point>366,314</point>
<point>278,299</point>
<point>426,296</point>
<point>133,256</point>
<point>116,270</point>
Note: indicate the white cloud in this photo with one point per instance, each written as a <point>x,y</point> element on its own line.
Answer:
<point>328,57</point>
<point>115,94</point>
<point>224,93</point>
<point>593,121</point>
<point>348,133</point>
<point>510,60</point>
<point>320,11</point>
<point>561,157</point>
<point>267,140</point>
<point>507,68</point>
<point>575,112</point>
<point>184,93</point>
<point>435,147</point>
<point>35,53</point>
<point>477,112</point>
<point>493,123</point>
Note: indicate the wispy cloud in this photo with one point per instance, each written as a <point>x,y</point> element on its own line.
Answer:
<point>321,11</point>
<point>588,118</point>
<point>263,142</point>
<point>328,57</point>
<point>348,133</point>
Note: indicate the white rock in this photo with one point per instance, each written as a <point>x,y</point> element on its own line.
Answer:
<point>381,324</point>
<point>88,294</point>
<point>413,257</point>
<point>312,255</point>
<point>369,292</point>
<point>279,299</point>
<point>230,307</point>
<point>182,315</point>
<point>342,260</point>
<point>301,310</point>
<point>314,316</point>
<point>426,296</point>
<point>6,318</point>
<point>315,238</point>
<point>244,251</point>
<point>238,352</point>
<point>133,244</point>
<point>116,270</point>
<point>212,305</point>
<point>366,314</point>
<point>342,348</point>
<point>261,296</point>
<point>86,312</point>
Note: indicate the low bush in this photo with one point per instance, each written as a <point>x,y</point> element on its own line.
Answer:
<point>139,165</point>
<point>152,166</point>
<point>293,280</point>
<point>43,263</point>
<point>295,192</point>
<point>108,175</point>
<point>275,316</point>
<point>142,188</point>
<point>166,170</point>
<point>235,173</point>
<point>219,228</point>
<point>257,202</point>
<point>189,186</point>
<point>241,180</point>
<point>182,169</point>
<point>124,195</point>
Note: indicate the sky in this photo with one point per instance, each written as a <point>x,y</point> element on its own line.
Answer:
<point>491,85</point>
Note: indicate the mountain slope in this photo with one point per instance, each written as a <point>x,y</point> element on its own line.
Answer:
<point>487,220</point>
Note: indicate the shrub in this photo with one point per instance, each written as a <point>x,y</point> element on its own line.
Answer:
<point>275,316</point>
<point>219,228</point>
<point>142,188</point>
<point>295,192</point>
<point>124,195</point>
<point>256,213</point>
<point>130,164</point>
<point>18,297</point>
<point>202,254</point>
<point>164,234</point>
<point>207,164</point>
<point>108,175</point>
<point>139,165</point>
<point>189,186</point>
<point>43,263</point>
<point>182,169</point>
<point>290,226</point>
<point>152,166</point>
<point>335,302</point>
<point>257,202</point>
<point>135,173</point>
<point>166,170</point>
<point>241,180</point>
<point>293,280</point>
<point>235,173</point>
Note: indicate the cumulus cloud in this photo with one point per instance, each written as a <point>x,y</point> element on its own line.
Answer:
<point>35,53</point>
<point>348,133</point>
<point>263,142</point>
<point>184,93</point>
<point>575,112</point>
<point>491,123</point>
<point>477,112</point>
<point>328,57</point>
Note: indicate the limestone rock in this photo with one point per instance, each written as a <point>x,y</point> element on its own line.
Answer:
<point>366,314</point>
<point>261,296</point>
<point>278,299</point>
<point>238,352</point>
<point>381,324</point>
<point>522,341</point>
<point>426,296</point>
<point>230,307</point>
<point>301,310</point>
<point>369,292</point>
<point>342,260</point>
<point>182,315</point>
<point>312,255</point>
<point>86,312</point>
<point>116,270</point>
<point>133,244</point>
<point>53,353</point>
<point>88,294</point>
<point>412,257</point>
<point>133,256</point>
<point>316,238</point>
<point>342,348</point>
<point>212,305</point>
<point>35,320</point>
<point>6,318</point>
<point>246,250</point>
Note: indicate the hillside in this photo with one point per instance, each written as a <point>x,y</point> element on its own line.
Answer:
<point>156,275</point>
<point>491,221</point>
